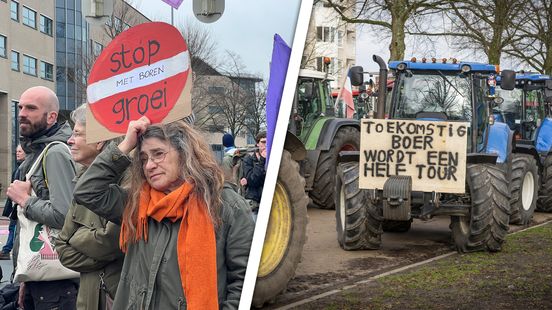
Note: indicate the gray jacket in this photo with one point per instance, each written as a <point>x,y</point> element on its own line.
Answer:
<point>52,200</point>
<point>150,278</point>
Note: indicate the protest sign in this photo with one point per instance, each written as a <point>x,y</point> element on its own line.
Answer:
<point>432,153</point>
<point>145,70</point>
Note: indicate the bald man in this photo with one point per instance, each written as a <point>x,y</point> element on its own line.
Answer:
<point>38,112</point>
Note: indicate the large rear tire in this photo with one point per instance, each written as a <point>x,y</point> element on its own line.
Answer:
<point>358,220</point>
<point>544,204</point>
<point>322,193</point>
<point>524,188</point>
<point>285,234</point>
<point>487,225</point>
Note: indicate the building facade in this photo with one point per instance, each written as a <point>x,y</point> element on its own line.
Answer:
<point>329,36</point>
<point>48,43</point>
<point>27,58</point>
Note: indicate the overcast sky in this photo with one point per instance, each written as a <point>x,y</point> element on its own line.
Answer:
<point>247,27</point>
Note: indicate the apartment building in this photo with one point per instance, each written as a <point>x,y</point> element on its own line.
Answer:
<point>329,36</point>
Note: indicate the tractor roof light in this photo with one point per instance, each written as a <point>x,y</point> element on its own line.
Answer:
<point>433,59</point>
<point>465,68</point>
<point>401,66</point>
<point>413,59</point>
<point>327,60</point>
<point>444,60</point>
<point>454,60</point>
<point>424,60</point>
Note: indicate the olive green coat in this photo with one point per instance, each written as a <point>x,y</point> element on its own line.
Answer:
<point>89,244</point>
<point>150,278</point>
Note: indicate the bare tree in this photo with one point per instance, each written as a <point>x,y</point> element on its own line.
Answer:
<point>389,15</point>
<point>488,26</point>
<point>225,97</point>
<point>533,43</point>
<point>256,112</point>
<point>201,44</point>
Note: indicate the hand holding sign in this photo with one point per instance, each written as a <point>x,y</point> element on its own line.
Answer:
<point>135,129</point>
<point>145,71</point>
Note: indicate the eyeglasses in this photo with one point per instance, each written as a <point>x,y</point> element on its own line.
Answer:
<point>157,157</point>
<point>262,141</point>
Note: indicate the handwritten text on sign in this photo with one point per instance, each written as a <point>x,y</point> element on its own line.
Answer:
<point>432,153</point>
<point>143,71</point>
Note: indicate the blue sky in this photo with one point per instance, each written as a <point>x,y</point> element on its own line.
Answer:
<point>247,27</point>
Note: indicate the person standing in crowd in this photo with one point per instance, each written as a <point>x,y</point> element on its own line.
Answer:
<point>186,235</point>
<point>89,243</point>
<point>254,172</point>
<point>9,207</point>
<point>38,126</point>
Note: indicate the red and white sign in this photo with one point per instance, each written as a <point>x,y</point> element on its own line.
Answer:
<point>347,95</point>
<point>143,71</point>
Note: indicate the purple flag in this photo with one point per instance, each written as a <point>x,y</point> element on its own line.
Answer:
<point>174,3</point>
<point>278,69</point>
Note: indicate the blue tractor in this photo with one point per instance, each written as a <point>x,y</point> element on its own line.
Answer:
<point>435,92</point>
<point>526,110</point>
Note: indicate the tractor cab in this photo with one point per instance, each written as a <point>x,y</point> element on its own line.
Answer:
<point>526,106</point>
<point>448,92</point>
<point>313,100</point>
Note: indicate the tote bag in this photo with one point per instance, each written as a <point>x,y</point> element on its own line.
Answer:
<point>38,259</point>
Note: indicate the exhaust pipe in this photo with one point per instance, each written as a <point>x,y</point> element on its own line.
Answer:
<point>382,90</point>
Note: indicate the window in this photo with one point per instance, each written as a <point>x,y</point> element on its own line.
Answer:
<point>325,34</point>
<point>46,71</point>
<point>46,25</point>
<point>15,61</point>
<point>14,10</point>
<point>29,65</point>
<point>96,48</point>
<point>3,40</point>
<point>340,36</point>
<point>218,90</point>
<point>29,17</point>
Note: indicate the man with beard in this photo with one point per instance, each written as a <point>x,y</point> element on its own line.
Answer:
<point>53,186</point>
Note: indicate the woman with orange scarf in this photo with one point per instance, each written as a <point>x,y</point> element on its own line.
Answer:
<point>186,236</point>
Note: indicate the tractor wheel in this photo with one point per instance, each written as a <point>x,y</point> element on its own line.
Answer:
<point>487,225</point>
<point>524,188</point>
<point>322,193</point>
<point>358,220</point>
<point>285,234</point>
<point>396,226</point>
<point>544,204</point>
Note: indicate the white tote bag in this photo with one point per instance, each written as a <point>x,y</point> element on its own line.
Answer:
<point>37,259</point>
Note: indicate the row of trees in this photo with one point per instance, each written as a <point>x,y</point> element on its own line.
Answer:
<point>518,29</point>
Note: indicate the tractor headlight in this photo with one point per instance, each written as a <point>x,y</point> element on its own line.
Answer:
<point>401,66</point>
<point>465,68</point>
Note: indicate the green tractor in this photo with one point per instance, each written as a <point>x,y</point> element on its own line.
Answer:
<point>315,137</point>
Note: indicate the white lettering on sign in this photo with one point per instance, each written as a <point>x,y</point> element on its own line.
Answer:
<point>138,77</point>
<point>432,153</point>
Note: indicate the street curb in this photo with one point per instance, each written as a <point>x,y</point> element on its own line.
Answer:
<point>394,271</point>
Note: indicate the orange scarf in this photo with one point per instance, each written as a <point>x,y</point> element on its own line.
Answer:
<point>196,245</point>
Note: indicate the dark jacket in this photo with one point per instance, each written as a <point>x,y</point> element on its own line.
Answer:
<point>9,206</point>
<point>254,171</point>
<point>52,200</point>
<point>89,244</point>
<point>150,278</point>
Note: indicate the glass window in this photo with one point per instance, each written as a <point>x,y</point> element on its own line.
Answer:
<point>29,65</point>
<point>46,71</point>
<point>46,25</point>
<point>15,61</point>
<point>325,34</point>
<point>29,17</point>
<point>96,48</point>
<point>14,10</point>
<point>3,44</point>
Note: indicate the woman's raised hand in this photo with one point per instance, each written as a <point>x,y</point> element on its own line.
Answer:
<point>135,129</point>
